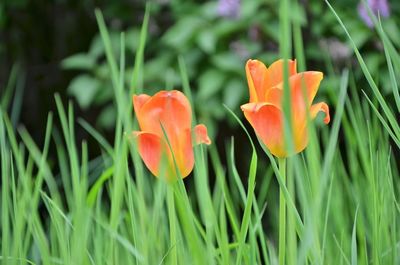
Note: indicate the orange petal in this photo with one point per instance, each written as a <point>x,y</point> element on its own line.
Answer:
<point>201,136</point>
<point>302,84</point>
<point>256,73</point>
<point>274,97</point>
<point>169,108</point>
<point>306,83</point>
<point>156,154</point>
<point>183,153</point>
<point>151,148</point>
<point>267,121</point>
<point>139,100</point>
<point>275,71</point>
<point>310,81</point>
<point>322,106</point>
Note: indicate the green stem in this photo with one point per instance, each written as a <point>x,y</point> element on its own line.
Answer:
<point>172,225</point>
<point>282,213</point>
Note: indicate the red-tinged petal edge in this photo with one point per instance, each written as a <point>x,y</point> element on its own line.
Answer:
<point>322,106</point>
<point>151,148</point>
<point>158,158</point>
<point>201,136</point>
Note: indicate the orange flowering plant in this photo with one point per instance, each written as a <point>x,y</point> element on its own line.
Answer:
<point>265,112</point>
<point>165,134</point>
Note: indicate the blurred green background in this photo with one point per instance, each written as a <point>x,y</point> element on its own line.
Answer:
<point>54,46</point>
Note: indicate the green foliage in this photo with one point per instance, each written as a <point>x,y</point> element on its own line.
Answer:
<point>341,194</point>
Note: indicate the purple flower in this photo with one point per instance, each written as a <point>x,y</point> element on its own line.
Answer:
<point>380,7</point>
<point>228,8</point>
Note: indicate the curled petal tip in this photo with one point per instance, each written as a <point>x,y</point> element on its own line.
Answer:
<point>249,107</point>
<point>253,63</point>
<point>139,101</point>
<point>135,134</point>
<point>327,118</point>
<point>201,135</point>
<point>250,61</point>
<point>254,107</point>
<point>322,106</point>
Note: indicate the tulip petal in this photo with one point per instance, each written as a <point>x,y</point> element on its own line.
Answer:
<point>201,136</point>
<point>306,83</point>
<point>154,152</point>
<point>308,80</point>
<point>183,153</point>
<point>322,106</point>
<point>139,100</point>
<point>151,148</point>
<point>274,96</point>
<point>267,121</point>
<point>171,109</point>
<point>303,88</point>
<point>256,73</point>
<point>275,71</point>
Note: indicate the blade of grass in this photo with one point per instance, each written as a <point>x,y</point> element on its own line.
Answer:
<point>134,88</point>
<point>354,241</point>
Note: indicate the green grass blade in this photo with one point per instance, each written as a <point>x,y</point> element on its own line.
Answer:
<point>354,241</point>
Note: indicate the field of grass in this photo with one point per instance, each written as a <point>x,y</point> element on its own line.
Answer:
<point>339,198</point>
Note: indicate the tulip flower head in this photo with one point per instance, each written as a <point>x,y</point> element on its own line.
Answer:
<point>165,138</point>
<point>265,110</point>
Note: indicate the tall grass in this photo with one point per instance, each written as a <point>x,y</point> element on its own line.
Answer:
<point>340,195</point>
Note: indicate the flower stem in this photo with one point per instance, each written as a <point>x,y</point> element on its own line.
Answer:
<point>282,213</point>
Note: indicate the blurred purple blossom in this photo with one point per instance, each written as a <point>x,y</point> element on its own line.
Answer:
<point>380,7</point>
<point>228,8</point>
<point>240,50</point>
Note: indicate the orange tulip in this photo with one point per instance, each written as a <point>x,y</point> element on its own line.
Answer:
<point>264,111</point>
<point>165,122</point>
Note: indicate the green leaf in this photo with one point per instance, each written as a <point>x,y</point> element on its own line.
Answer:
<point>228,61</point>
<point>132,38</point>
<point>84,89</point>
<point>210,83</point>
<point>207,41</point>
<point>233,92</point>
<point>107,117</point>
<point>179,35</point>
<point>96,47</point>
<point>79,61</point>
